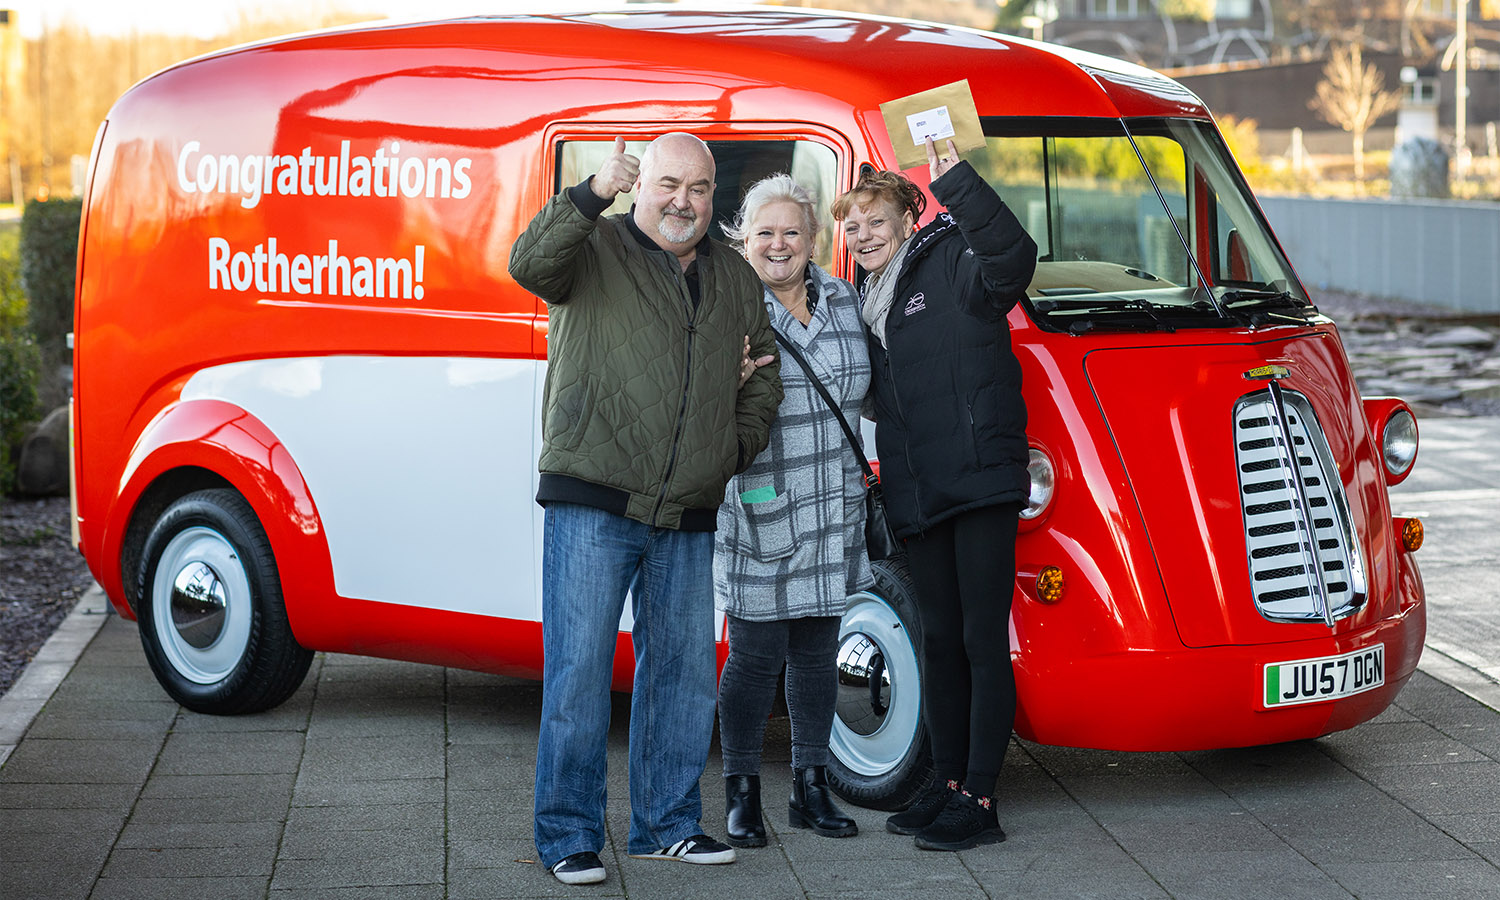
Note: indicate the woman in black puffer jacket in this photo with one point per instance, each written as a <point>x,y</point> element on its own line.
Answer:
<point>951,435</point>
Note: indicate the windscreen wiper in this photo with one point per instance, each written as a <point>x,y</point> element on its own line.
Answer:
<point>1268,297</point>
<point>1265,301</point>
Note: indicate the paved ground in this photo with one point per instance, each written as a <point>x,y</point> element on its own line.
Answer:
<point>383,779</point>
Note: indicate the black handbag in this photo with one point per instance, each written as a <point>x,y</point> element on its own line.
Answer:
<point>880,541</point>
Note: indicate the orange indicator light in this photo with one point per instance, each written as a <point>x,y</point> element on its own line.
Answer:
<point>1049,584</point>
<point>1412,534</point>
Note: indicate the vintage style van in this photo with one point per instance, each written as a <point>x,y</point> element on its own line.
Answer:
<point>306,409</point>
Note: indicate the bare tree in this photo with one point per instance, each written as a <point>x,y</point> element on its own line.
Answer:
<point>1352,96</point>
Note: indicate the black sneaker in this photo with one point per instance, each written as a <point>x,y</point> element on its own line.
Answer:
<point>924,809</point>
<point>580,868</point>
<point>700,849</point>
<point>967,821</point>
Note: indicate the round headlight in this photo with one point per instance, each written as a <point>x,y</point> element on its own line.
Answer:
<point>1043,480</point>
<point>1398,442</point>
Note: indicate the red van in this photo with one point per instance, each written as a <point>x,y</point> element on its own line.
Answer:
<point>306,408</point>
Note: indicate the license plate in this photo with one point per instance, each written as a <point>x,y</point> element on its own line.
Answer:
<point>1324,678</point>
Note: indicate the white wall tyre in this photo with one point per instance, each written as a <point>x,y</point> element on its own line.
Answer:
<point>212,620</point>
<point>880,754</point>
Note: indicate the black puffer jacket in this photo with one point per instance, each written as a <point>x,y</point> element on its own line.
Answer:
<point>950,422</point>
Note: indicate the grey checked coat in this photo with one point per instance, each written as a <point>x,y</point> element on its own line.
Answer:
<point>803,552</point>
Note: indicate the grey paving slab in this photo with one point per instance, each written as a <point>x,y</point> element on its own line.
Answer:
<point>1473,879</point>
<point>384,892</point>
<point>338,791</point>
<point>192,862</point>
<point>527,882</point>
<point>210,810</point>
<point>373,817</point>
<point>139,835</point>
<point>1214,874</point>
<point>289,716</point>
<point>345,872</point>
<point>33,795</point>
<point>398,716</point>
<point>931,874</point>
<point>53,761</point>
<point>218,754</point>
<point>183,888</point>
<point>1456,788</point>
<point>51,821</point>
<point>52,878</point>
<point>1470,828</point>
<point>357,843</point>
<point>489,852</point>
<point>229,785</point>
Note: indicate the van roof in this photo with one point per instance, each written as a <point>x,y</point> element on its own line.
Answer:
<point>861,60</point>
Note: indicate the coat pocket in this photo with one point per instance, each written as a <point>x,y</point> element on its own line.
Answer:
<point>768,534</point>
<point>991,430</point>
<point>569,413</point>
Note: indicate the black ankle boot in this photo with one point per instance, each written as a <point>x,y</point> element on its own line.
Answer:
<point>742,817</point>
<point>812,807</point>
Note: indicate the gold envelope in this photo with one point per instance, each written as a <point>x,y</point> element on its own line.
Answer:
<point>938,111</point>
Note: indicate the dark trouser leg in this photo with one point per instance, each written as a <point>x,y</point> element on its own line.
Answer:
<point>985,551</point>
<point>747,688</point>
<point>964,571</point>
<point>945,666</point>
<point>811,686</point>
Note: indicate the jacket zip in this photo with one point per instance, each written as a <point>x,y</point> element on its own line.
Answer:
<point>916,486</point>
<point>687,382</point>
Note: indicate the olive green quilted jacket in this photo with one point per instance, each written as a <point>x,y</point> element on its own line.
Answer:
<point>641,392</point>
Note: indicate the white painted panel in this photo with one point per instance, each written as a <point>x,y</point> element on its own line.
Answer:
<point>423,470</point>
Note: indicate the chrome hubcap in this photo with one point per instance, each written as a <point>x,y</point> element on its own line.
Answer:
<point>201,605</point>
<point>879,696</point>
<point>198,605</point>
<point>864,684</point>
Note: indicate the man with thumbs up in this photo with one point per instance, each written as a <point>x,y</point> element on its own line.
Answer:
<point>661,384</point>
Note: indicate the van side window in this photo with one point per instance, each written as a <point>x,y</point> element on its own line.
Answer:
<point>739,164</point>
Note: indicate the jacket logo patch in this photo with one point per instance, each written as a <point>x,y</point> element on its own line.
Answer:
<point>916,304</point>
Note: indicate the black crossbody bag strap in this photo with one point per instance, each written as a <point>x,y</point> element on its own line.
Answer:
<point>870,478</point>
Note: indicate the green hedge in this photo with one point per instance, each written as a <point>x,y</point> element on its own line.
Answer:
<point>19,362</point>
<point>49,263</point>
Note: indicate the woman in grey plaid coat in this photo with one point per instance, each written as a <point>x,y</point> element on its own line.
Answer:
<point>790,543</point>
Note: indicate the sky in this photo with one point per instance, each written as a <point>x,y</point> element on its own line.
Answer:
<point>206,18</point>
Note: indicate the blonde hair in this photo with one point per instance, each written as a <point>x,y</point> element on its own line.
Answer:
<point>778,188</point>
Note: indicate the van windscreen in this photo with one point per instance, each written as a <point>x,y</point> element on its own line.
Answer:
<point>1139,224</point>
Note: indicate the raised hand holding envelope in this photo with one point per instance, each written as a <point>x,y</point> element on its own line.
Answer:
<point>946,112</point>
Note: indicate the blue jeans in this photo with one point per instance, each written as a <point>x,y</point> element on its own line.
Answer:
<point>590,559</point>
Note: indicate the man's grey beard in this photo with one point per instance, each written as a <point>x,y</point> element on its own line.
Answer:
<point>677,229</point>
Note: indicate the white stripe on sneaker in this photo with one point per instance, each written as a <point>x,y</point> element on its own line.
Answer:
<point>700,849</point>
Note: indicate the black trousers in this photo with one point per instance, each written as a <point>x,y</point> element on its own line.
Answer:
<point>965,571</point>
<point>747,688</point>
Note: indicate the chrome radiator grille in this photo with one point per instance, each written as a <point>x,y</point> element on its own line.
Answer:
<point>1305,563</point>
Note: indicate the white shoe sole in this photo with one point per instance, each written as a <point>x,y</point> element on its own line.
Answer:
<point>721,858</point>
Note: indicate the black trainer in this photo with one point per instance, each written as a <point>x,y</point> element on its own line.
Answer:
<point>967,821</point>
<point>580,868</point>
<point>699,849</point>
<point>924,809</point>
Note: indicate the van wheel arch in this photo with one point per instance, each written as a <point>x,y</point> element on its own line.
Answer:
<point>165,490</point>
